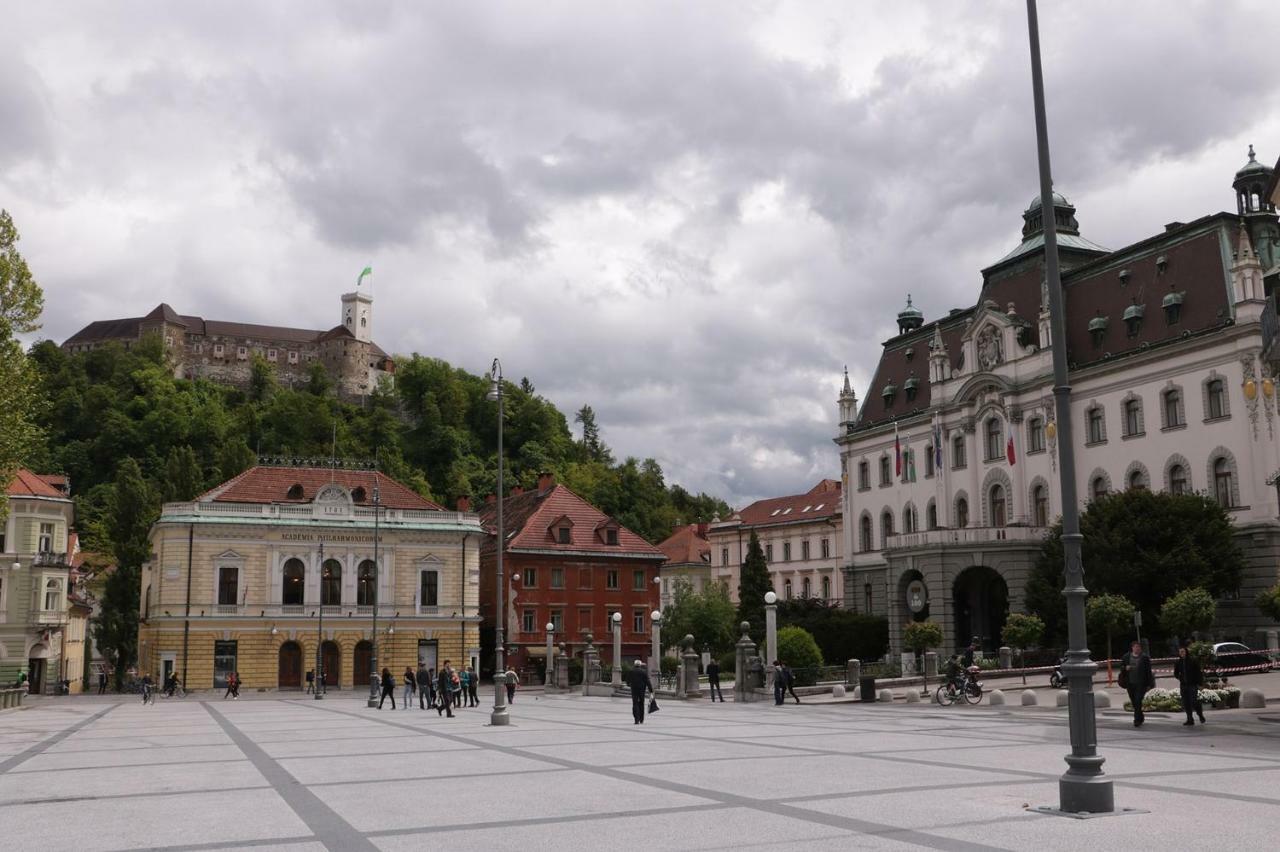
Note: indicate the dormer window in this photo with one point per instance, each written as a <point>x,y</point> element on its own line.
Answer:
<point>1162,263</point>
<point>608,531</point>
<point>295,491</point>
<point>1172,305</point>
<point>910,353</point>
<point>358,494</point>
<point>562,535</point>
<point>889,392</point>
<point>1133,319</point>
<point>610,536</point>
<point>561,530</point>
<point>910,386</point>
<point>1124,277</point>
<point>1098,330</point>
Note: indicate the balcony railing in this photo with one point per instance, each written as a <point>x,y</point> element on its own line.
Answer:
<point>50,560</point>
<point>48,617</point>
<point>365,514</point>
<point>965,536</point>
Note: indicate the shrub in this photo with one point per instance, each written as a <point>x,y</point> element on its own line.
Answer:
<point>797,649</point>
<point>1188,612</point>
<point>1269,602</point>
<point>920,636</point>
<point>668,665</point>
<point>729,663</point>
<point>841,634</point>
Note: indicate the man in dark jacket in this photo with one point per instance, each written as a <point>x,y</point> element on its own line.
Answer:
<point>424,686</point>
<point>1138,679</point>
<point>444,682</point>
<point>1187,670</point>
<point>713,680</point>
<point>638,680</point>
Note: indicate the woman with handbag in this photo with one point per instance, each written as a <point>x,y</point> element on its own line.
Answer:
<point>1137,678</point>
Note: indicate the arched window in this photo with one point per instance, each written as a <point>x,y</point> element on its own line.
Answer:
<point>1178,479</point>
<point>331,583</point>
<point>962,513</point>
<point>931,515</point>
<point>998,514</point>
<point>1040,506</point>
<point>53,595</point>
<point>1223,482</point>
<point>1098,488</point>
<point>1172,409</point>
<point>367,584</point>
<point>786,589</point>
<point>293,591</point>
<point>865,543</point>
<point>806,588</point>
<point>886,527</point>
<point>1215,392</point>
<point>957,452</point>
<point>994,445</point>
<point>826,588</point>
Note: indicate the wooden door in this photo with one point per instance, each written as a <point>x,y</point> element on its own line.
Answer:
<point>330,658</point>
<point>290,666</point>
<point>361,660</point>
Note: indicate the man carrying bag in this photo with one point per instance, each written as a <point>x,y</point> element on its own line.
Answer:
<point>638,680</point>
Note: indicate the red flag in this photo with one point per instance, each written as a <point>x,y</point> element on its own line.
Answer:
<point>897,452</point>
<point>1008,448</point>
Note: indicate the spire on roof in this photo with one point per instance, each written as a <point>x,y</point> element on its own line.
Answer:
<point>846,389</point>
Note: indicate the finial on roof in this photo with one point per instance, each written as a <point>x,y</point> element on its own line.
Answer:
<point>846,388</point>
<point>1252,158</point>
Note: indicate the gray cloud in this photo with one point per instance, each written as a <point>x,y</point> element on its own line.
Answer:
<point>688,215</point>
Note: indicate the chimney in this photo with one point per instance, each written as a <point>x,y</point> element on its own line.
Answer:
<point>546,480</point>
<point>516,491</point>
<point>491,499</point>
<point>702,530</point>
<point>464,504</point>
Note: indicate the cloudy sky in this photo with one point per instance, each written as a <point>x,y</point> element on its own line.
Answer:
<point>689,215</point>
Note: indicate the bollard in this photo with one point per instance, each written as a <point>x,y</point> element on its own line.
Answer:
<point>885,695</point>
<point>852,671</point>
<point>1029,698</point>
<point>1101,699</point>
<point>912,697</point>
<point>745,652</point>
<point>691,687</point>
<point>931,663</point>
<point>995,698</point>
<point>837,691</point>
<point>1006,657</point>
<point>1062,698</point>
<point>1253,699</point>
<point>908,664</point>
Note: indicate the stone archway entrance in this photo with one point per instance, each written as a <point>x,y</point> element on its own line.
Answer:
<point>290,676</point>
<point>981,598</point>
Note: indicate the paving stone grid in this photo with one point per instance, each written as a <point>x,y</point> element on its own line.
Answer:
<point>575,773</point>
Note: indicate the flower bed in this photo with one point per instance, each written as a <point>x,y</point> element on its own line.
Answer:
<point>1170,701</point>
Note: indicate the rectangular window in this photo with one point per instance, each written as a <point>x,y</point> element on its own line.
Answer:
<point>724,554</point>
<point>584,578</point>
<point>563,536</point>
<point>1035,435</point>
<point>1172,409</point>
<point>527,619</point>
<point>217,350</point>
<point>1217,399</point>
<point>637,621</point>
<point>430,589</point>
<point>224,662</point>
<point>957,453</point>
<point>557,578</point>
<point>1132,411</point>
<point>886,467</point>
<point>768,552</point>
<point>293,357</point>
<point>826,548</point>
<point>864,476</point>
<point>611,579</point>
<point>531,578</point>
<point>637,580</point>
<point>1093,423</point>
<point>45,544</point>
<point>584,620</point>
<point>228,585</point>
<point>557,620</point>
<point>242,352</point>
<point>271,354</point>
<point>928,461</point>
<point>199,348</point>
<point>804,548</point>
<point>786,551</point>
<point>611,536</point>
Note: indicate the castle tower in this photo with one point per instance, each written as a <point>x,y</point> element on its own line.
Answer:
<point>357,315</point>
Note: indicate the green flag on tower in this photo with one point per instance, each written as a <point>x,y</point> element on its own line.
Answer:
<point>368,270</point>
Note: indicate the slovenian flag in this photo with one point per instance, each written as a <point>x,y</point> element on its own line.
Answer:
<point>897,452</point>
<point>1008,447</point>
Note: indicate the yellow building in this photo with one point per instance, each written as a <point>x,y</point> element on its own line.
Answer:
<point>257,574</point>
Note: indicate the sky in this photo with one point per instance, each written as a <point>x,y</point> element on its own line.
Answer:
<point>690,216</point>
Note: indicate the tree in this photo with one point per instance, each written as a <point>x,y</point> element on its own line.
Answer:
<point>116,626</point>
<point>1022,632</point>
<point>593,449</point>
<point>1146,546</point>
<point>753,584</point>
<point>1188,612</point>
<point>797,649</point>
<point>262,379</point>
<point>135,508</point>
<point>235,459</point>
<point>318,381</point>
<point>1108,615</point>
<point>183,479</point>
<point>1269,602</point>
<point>21,302</point>
<point>920,636</point>
<point>707,614</point>
<point>841,634</point>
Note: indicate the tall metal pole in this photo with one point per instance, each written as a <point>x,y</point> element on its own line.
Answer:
<point>319,676</point>
<point>499,716</point>
<point>1083,787</point>
<point>186,619</point>
<point>373,657</point>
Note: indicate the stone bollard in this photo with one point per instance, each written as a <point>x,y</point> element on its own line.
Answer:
<point>744,651</point>
<point>930,663</point>
<point>1061,698</point>
<point>1273,645</point>
<point>852,671</point>
<point>912,697</point>
<point>562,670</point>
<point>995,698</point>
<point>1253,699</point>
<point>691,686</point>
<point>1101,700</point>
<point>1029,698</point>
<point>837,691</point>
<point>1006,657</point>
<point>908,664</point>
<point>885,695</point>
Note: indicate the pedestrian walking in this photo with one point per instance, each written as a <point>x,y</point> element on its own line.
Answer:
<point>1137,678</point>
<point>1187,670</point>
<point>231,687</point>
<point>410,686</point>
<point>423,678</point>
<point>779,683</point>
<point>464,679</point>
<point>472,686</point>
<point>311,681</point>
<point>455,688</point>
<point>388,689</point>
<point>789,678</point>
<point>511,679</point>
<point>713,680</point>
<point>638,681</point>
<point>102,681</point>
<point>444,690</point>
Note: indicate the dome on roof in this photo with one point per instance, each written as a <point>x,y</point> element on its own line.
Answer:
<point>1253,167</point>
<point>910,310</point>
<point>1059,200</point>
<point>909,318</point>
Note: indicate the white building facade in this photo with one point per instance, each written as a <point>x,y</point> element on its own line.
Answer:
<point>1173,370</point>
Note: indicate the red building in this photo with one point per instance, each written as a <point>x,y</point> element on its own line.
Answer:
<point>576,566</point>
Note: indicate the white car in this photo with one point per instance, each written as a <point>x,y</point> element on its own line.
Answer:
<point>1234,658</point>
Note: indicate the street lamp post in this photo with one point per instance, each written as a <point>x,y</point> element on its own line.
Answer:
<point>551,660</point>
<point>655,653</point>
<point>1083,787</point>
<point>770,633</point>
<point>373,649</point>
<point>616,678</point>
<point>500,715</point>
<point>319,676</point>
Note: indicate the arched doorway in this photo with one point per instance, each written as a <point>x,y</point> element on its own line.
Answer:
<point>290,666</point>
<point>981,606</point>
<point>332,660</point>
<point>361,659</point>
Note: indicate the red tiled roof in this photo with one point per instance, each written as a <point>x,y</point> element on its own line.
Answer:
<point>27,484</point>
<point>527,519</point>
<point>261,484</point>
<point>688,544</point>
<point>821,501</point>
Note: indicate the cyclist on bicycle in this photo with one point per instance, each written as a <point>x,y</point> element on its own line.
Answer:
<point>955,672</point>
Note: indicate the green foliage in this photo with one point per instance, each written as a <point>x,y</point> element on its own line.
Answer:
<point>1269,602</point>
<point>262,379</point>
<point>1146,546</point>
<point>920,636</point>
<point>1022,631</point>
<point>841,634</point>
<point>115,628</point>
<point>753,585</point>
<point>1108,615</point>
<point>707,614</point>
<point>135,509</point>
<point>183,479</point>
<point>668,665</point>
<point>1188,612</point>
<point>797,648</point>
<point>21,301</point>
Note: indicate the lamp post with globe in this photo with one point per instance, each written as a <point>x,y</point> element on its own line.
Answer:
<point>770,632</point>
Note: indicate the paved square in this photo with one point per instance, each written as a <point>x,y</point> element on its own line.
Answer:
<point>574,773</point>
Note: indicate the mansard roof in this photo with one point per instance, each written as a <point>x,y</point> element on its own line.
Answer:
<point>528,519</point>
<point>268,484</point>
